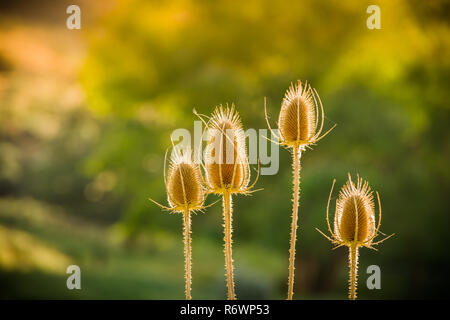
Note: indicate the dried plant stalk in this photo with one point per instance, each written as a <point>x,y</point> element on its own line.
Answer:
<point>228,231</point>
<point>295,198</point>
<point>299,128</point>
<point>187,253</point>
<point>353,271</point>
<point>354,224</point>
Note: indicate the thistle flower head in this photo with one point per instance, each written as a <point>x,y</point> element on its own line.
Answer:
<point>226,162</point>
<point>354,220</point>
<point>184,187</point>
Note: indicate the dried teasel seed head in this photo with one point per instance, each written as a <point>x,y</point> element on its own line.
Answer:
<point>184,187</point>
<point>355,213</point>
<point>298,121</point>
<point>354,224</point>
<point>226,161</point>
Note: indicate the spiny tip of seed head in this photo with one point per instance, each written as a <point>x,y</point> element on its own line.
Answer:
<point>226,116</point>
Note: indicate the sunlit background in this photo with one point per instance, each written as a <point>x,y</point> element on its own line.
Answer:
<point>85,117</point>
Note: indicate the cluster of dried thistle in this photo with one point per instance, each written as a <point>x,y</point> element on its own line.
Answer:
<point>300,125</point>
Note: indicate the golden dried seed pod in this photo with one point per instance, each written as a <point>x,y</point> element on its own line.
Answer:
<point>184,187</point>
<point>355,213</point>
<point>297,121</point>
<point>356,208</point>
<point>226,162</point>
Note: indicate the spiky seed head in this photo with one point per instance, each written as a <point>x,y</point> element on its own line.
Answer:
<point>298,117</point>
<point>184,187</point>
<point>354,223</point>
<point>355,213</point>
<point>226,161</point>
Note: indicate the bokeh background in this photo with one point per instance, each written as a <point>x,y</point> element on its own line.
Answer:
<point>85,117</point>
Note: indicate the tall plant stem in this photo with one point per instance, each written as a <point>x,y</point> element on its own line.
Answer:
<point>187,252</point>
<point>228,230</point>
<point>295,197</point>
<point>353,275</point>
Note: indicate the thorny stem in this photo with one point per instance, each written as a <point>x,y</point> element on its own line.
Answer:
<point>187,252</point>
<point>227,217</point>
<point>353,264</point>
<point>296,182</point>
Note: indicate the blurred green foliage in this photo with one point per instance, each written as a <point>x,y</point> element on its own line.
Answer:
<point>150,63</point>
